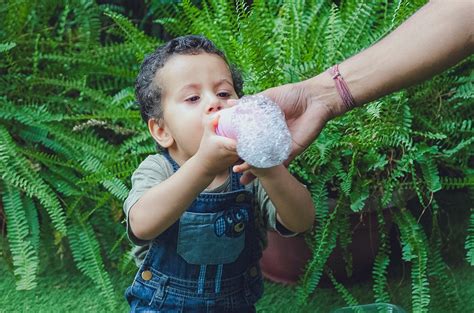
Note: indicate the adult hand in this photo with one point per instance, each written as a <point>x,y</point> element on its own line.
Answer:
<point>305,112</point>
<point>305,115</point>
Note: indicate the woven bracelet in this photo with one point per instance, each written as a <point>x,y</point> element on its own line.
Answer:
<point>342,87</point>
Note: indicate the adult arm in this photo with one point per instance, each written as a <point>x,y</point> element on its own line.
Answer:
<point>433,39</point>
<point>436,37</point>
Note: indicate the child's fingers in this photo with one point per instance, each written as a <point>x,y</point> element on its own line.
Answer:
<point>229,144</point>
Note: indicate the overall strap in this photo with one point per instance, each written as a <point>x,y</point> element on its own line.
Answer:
<point>235,181</point>
<point>170,159</point>
<point>234,177</point>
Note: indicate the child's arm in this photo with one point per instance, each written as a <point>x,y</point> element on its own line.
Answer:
<point>291,199</point>
<point>163,204</point>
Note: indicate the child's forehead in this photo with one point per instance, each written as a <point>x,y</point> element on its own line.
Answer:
<point>183,68</point>
<point>202,61</point>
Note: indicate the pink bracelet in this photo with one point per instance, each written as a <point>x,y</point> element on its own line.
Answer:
<point>342,88</point>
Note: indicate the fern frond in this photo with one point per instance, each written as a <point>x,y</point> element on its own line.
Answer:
<point>4,47</point>
<point>324,243</point>
<point>15,171</point>
<point>457,182</point>
<point>415,251</point>
<point>346,295</point>
<point>333,34</point>
<point>469,244</point>
<point>430,172</point>
<point>86,253</point>
<point>142,45</point>
<point>23,249</point>
<point>444,288</point>
<point>381,263</point>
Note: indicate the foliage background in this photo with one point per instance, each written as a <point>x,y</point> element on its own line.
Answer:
<point>71,134</point>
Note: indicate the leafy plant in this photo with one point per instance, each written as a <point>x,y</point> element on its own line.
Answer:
<point>66,131</point>
<point>71,134</point>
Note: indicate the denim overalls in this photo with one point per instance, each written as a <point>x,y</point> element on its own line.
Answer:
<point>205,262</point>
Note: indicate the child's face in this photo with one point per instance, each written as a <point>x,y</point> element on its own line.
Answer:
<point>193,87</point>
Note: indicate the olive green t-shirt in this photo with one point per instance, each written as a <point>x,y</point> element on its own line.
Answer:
<point>156,169</point>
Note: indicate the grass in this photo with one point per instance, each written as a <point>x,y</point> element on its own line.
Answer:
<point>69,291</point>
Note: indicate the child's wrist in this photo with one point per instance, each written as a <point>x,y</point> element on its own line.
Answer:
<point>201,166</point>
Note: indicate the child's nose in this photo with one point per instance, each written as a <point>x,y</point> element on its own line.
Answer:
<point>214,106</point>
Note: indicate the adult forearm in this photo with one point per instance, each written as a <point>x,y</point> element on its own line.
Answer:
<point>436,37</point>
<point>163,204</point>
<point>290,198</point>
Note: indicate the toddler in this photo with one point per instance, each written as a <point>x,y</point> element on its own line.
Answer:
<point>200,232</point>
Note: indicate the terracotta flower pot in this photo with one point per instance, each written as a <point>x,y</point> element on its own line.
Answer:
<point>284,259</point>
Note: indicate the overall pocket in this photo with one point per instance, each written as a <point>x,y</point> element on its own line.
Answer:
<point>212,238</point>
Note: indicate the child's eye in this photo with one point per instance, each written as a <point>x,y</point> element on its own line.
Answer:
<point>192,99</point>
<point>223,94</point>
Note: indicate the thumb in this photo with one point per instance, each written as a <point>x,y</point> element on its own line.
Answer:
<point>229,144</point>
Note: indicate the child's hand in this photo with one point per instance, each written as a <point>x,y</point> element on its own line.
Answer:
<point>216,153</point>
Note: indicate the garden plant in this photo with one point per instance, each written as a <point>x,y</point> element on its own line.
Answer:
<point>71,133</point>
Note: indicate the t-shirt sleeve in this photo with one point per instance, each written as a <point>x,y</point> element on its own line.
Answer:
<point>152,171</point>
<point>268,212</point>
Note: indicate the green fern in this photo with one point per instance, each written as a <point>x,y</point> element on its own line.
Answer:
<point>324,242</point>
<point>7,46</point>
<point>141,44</point>
<point>71,134</point>
<point>381,263</point>
<point>346,295</point>
<point>85,250</point>
<point>444,287</point>
<point>62,99</point>
<point>415,251</point>
<point>470,241</point>
<point>17,172</point>
<point>23,247</point>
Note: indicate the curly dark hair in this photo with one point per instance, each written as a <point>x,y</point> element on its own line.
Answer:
<point>149,94</point>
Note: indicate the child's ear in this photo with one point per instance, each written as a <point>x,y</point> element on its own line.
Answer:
<point>160,132</point>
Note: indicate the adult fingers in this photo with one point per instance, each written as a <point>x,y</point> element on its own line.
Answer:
<point>247,178</point>
<point>240,168</point>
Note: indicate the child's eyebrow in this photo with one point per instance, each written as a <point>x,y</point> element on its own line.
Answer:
<point>224,80</point>
<point>189,86</point>
<point>197,86</point>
